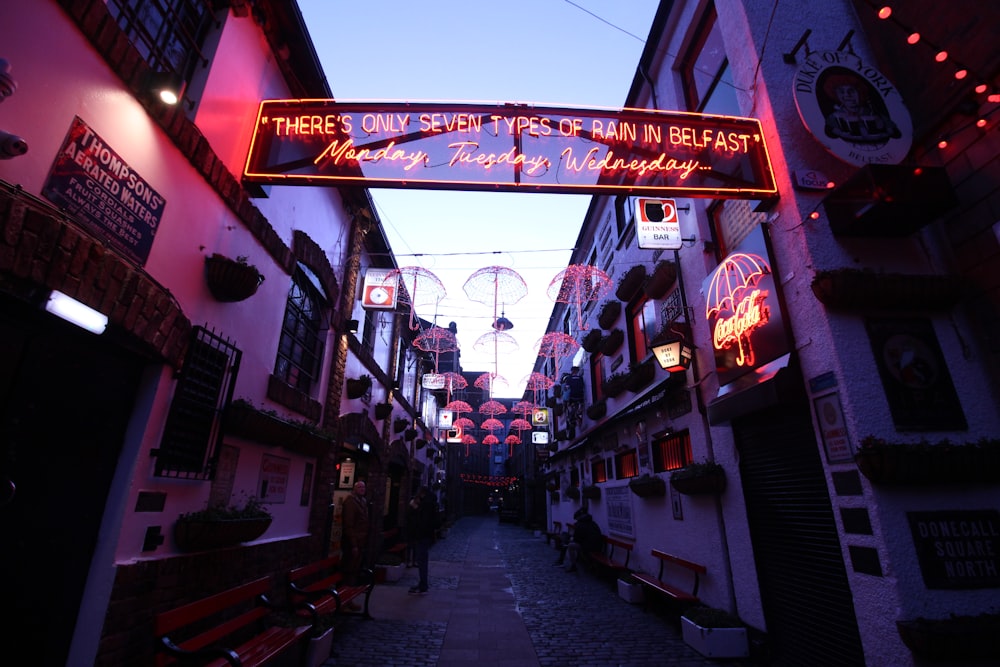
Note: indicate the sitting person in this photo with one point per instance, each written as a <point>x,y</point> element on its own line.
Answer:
<point>564,538</point>
<point>587,538</point>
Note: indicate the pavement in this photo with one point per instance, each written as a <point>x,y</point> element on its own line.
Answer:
<point>496,600</point>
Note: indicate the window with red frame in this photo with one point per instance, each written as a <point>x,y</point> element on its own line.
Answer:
<point>599,470</point>
<point>627,465</point>
<point>597,376</point>
<point>672,452</point>
<point>642,328</point>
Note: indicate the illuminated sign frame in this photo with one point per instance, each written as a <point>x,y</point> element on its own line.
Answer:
<point>509,148</point>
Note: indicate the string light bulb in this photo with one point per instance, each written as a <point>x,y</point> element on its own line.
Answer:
<point>885,12</point>
<point>941,56</point>
<point>913,38</point>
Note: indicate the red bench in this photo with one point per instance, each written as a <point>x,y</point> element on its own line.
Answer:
<point>203,632</point>
<point>607,559</point>
<point>658,584</point>
<point>321,584</point>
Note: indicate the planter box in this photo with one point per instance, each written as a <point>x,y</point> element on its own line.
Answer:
<point>648,487</point>
<point>631,593</point>
<point>200,535</point>
<point>319,649</point>
<point>715,642</point>
<point>662,279</point>
<point>709,483</point>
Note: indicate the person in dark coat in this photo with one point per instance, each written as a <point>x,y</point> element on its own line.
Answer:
<point>355,534</point>
<point>587,538</point>
<point>424,518</point>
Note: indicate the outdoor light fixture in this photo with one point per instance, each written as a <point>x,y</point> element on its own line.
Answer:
<point>75,312</point>
<point>503,324</point>
<point>673,353</point>
<point>168,87</point>
<point>352,326</point>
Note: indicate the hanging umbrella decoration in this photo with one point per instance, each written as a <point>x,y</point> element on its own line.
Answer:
<point>524,408</point>
<point>491,424</point>
<point>492,408</point>
<point>557,346</point>
<point>467,440</point>
<point>577,285</point>
<point>510,441</point>
<point>418,287</point>
<point>437,340</point>
<point>487,381</point>
<point>464,423</point>
<point>733,289</point>
<point>537,383</point>
<point>500,342</point>
<point>453,382</point>
<point>457,406</point>
<point>519,425</point>
<point>495,285</point>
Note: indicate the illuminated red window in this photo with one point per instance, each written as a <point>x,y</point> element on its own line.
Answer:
<point>599,470</point>
<point>627,465</point>
<point>672,452</point>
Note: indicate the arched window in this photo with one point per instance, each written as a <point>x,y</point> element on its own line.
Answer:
<point>300,349</point>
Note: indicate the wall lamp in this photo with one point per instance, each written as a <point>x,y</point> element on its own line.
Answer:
<point>673,352</point>
<point>73,311</point>
<point>352,326</point>
<point>168,87</point>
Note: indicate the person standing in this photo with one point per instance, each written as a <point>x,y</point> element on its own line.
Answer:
<point>425,512</point>
<point>355,536</point>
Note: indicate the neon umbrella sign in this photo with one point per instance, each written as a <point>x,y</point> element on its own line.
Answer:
<point>738,304</point>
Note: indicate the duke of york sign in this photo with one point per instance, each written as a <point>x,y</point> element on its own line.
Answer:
<point>852,109</point>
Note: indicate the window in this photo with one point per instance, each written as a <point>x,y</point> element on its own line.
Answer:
<point>708,83</point>
<point>732,221</point>
<point>598,470</point>
<point>574,476</point>
<point>192,427</point>
<point>597,376</point>
<point>170,34</point>
<point>642,328</point>
<point>672,452</point>
<point>300,349</point>
<point>627,464</point>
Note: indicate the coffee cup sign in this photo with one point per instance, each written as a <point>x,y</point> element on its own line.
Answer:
<point>657,225</point>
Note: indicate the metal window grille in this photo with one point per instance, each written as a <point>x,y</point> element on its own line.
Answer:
<point>192,432</point>
<point>300,348</point>
<point>672,453</point>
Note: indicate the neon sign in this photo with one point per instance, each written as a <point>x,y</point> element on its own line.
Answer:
<point>508,147</point>
<point>743,311</point>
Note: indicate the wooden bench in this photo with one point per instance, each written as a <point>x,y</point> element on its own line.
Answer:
<point>659,585</point>
<point>607,559</point>
<point>228,628</point>
<point>321,584</point>
<point>554,533</point>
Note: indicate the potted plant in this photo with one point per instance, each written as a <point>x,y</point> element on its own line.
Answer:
<point>243,419</point>
<point>615,384</point>
<point>597,410</point>
<point>662,279</point>
<point>231,280</point>
<point>399,424</point>
<point>611,342</point>
<point>591,492</point>
<point>647,486</point>
<point>591,341</point>
<point>630,590</point>
<point>609,312</point>
<point>359,386</point>
<point>573,493</point>
<point>220,526</point>
<point>640,375</point>
<point>699,478</point>
<point>630,282</point>
<point>714,633</point>
<point>383,410</point>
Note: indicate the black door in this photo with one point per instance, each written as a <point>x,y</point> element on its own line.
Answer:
<point>66,398</point>
<point>807,603</point>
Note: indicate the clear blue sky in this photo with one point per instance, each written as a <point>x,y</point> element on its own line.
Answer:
<point>546,52</point>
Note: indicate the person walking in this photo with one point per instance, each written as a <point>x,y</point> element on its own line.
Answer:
<point>425,512</point>
<point>355,534</point>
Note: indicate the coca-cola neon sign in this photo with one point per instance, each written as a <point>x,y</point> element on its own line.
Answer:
<point>743,311</point>
<point>509,147</point>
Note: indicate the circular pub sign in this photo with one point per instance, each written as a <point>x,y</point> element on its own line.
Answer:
<point>852,109</point>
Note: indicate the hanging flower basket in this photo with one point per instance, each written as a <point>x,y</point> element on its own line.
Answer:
<point>573,493</point>
<point>399,425</point>
<point>856,288</point>
<point>630,283</point>
<point>359,386</point>
<point>591,492</point>
<point>591,341</point>
<point>615,384</point>
<point>699,479</point>
<point>218,527</point>
<point>612,342</point>
<point>648,486</point>
<point>662,279</point>
<point>383,410</point>
<point>640,375</point>
<point>231,280</point>
<point>896,464</point>
<point>597,410</point>
<point>609,313</point>
<point>244,420</point>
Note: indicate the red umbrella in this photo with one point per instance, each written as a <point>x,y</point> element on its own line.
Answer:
<point>458,406</point>
<point>491,424</point>
<point>557,345</point>
<point>468,440</point>
<point>436,340</point>
<point>419,287</point>
<point>524,408</point>
<point>491,440</point>
<point>464,423</point>
<point>511,440</point>
<point>492,408</point>
<point>521,425</point>
<point>579,284</point>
